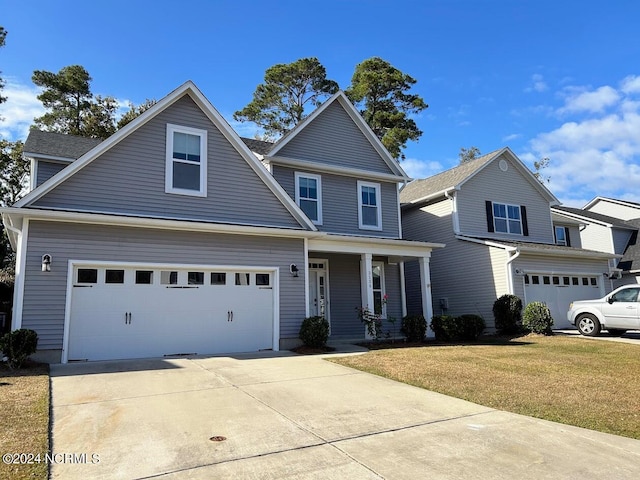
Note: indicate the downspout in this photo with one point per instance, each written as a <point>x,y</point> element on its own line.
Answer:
<point>454,211</point>
<point>508,265</point>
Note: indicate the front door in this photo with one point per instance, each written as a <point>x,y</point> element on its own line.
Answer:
<point>318,289</point>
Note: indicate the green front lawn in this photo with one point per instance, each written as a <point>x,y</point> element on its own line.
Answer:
<point>577,381</point>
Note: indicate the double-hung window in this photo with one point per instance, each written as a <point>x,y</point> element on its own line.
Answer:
<point>309,195</point>
<point>186,164</point>
<point>369,207</point>
<point>562,236</point>
<point>507,218</point>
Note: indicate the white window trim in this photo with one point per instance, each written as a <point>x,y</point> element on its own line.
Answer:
<point>318,179</point>
<point>379,206</point>
<point>168,187</point>
<point>507,205</point>
<point>383,289</point>
<point>555,233</point>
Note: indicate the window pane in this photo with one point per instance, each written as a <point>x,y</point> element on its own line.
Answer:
<point>193,148</point>
<point>500,224</point>
<point>566,281</point>
<point>593,281</point>
<point>168,278</point>
<point>514,212</point>
<point>186,147</point>
<point>536,280</point>
<point>376,278</point>
<point>144,277</point>
<point>556,280</point>
<point>218,278</point>
<point>114,276</point>
<point>560,236</point>
<point>242,278</point>
<point>195,278</point>
<point>499,210</point>
<point>575,281</point>
<point>585,281</point>
<point>310,208</point>
<point>514,226</point>
<point>186,176</point>
<point>369,196</point>
<point>87,275</point>
<point>546,280</point>
<point>370,216</point>
<point>377,303</point>
<point>262,279</point>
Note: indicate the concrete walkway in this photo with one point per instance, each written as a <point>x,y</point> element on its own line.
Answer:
<point>288,416</point>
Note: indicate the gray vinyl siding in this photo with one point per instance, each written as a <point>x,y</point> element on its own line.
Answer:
<point>596,237</point>
<point>45,293</point>
<point>470,276</point>
<point>574,236</point>
<point>130,179</point>
<point>340,203</point>
<point>45,170</point>
<point>508,187</point>
<point>615,210</point>
<point>394,301</point>
<point>334,138</point>
<point>620,239</point>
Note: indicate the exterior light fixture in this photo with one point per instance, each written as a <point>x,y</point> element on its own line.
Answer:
<point>293,268</point>
<point>46,262</point>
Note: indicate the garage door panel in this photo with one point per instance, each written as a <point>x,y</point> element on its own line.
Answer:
<point>169,315</point>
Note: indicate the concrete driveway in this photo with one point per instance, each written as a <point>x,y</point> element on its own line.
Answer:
<point>288,416</point>
<point>632,336</point>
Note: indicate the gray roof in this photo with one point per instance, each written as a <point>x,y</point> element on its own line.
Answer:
<point>616,222</point>
<point>73,147</point>
<point>547,248</point>
<point>631,259</point>
<point>418,189</point>
<point>58,144</point>
<point>257,146</point>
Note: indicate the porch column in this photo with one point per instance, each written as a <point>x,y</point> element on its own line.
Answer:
<point>366,285</point>
<point>403,290</point>
<point>425,289</point>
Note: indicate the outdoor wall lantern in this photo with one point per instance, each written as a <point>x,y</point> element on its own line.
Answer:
<point>46,262</point>
<point>293,268</point>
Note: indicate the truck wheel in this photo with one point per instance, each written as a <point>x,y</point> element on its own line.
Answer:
<point>588,325</point>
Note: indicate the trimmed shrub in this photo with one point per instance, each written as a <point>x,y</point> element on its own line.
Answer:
<point>18,345</point>
<point>537,318</point>
<point>314,332</point>
<point>414,327</point>
<point>450,329</point>
<point>507,312</point>
<point>470,326</point>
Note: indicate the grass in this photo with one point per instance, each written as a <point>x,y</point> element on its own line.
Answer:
<point>24,419</point>
<point>576,381</point>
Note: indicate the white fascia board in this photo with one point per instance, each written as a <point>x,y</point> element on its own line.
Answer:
<point>440,194</point>
<point>50,158</point>
<point>375,246</point>
<point>610,200</point>
<point>14,214</point>
<point>580,218</point>
<point>324,167</point>
<point>357,119</point>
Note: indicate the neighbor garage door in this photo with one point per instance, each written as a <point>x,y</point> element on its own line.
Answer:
<point>133,312</point>
<point>558,291</point>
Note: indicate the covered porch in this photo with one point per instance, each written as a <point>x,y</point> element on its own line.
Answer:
<point>346,273</point>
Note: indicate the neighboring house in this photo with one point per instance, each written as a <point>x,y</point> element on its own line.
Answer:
<point>624,214</point>
<point>495,218</point>
<point>175,236</point>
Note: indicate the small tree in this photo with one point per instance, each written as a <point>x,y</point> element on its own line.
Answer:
<point>537,318</point>
<point>507,312</point>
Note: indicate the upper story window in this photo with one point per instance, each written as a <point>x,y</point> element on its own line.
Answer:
<point>186,164</point>
<point>505,218</point>
<point>369,208</point>
<point>562,236</point>
<point>309,195</point>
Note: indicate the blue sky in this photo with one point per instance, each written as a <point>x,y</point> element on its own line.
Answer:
<point>557,79</point>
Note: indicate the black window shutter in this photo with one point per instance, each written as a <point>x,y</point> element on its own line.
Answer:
<point>523,214</point>
<point>489,207</point>
<point>566,236</point>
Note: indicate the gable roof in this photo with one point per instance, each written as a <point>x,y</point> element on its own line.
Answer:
<point>357,119</point>
<point>438,185</point>
<point>630,261</point>
<point>588,216</point>
<point>57,146</point>
<point>628,203</point>
<point>257,146</point>
<point>188,88</point>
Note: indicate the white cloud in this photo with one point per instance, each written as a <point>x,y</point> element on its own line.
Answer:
<point>513,136</point>
<point>537,84</point>
<point>630,84</point>
<point>19,110</point>
<point>599,155</point>
<point>421,168</point>
<point>590,101</point>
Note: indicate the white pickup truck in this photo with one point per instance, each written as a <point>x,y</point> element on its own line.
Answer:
<point>617,312</point>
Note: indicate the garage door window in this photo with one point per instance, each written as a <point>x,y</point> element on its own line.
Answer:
<point>168,277</point>
<point>262,279</point>
<point>243,279</point>
<point>218,278</point>
<point>195,278</point>
<point>144,277</point>
<point>87,275</point>
<point>114,276</point>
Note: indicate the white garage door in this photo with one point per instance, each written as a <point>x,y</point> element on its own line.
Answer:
<point>558,291</point>
<point>134,312</point>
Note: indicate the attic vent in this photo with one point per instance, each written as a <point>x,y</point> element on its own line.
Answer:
<point>504,166</point>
